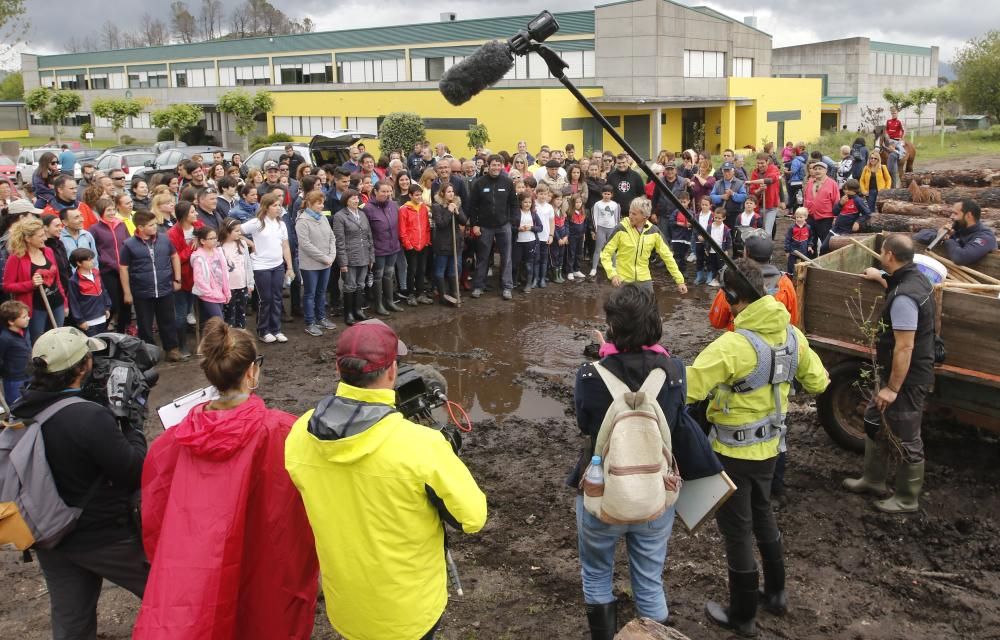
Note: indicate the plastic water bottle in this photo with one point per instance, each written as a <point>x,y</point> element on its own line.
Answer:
<point>593,481</point>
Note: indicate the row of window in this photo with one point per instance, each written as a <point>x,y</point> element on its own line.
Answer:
<point>712,64</point>
<point>899,64</point>
<point>311,125</point>
<point>532,67</point>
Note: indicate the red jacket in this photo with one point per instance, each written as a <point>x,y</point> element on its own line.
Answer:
<point>184,250</point>
<point>17,278</point>
<point>820,204</point>
<point>231,551</point>
<point>414,226</point>
<point>771,192</point>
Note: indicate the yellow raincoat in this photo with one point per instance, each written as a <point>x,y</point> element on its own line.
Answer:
<point>379,537</point>
<point>633,250</point>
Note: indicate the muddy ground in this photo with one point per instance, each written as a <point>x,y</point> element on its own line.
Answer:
<point>852,573</point>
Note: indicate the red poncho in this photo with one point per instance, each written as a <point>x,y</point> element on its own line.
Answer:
<point>231,549</point>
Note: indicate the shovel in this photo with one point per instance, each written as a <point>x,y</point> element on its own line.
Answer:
<point>453,301</point>
<point>48,307</point>
<point>940,234</point>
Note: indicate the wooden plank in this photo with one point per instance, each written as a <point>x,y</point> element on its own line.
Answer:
<point>989,265</point>
<point>970,326</point>
<point>827,295</point>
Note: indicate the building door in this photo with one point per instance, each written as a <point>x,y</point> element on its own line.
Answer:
<point>637,133</point>
<point>829,121</point>
<point>693,128</point>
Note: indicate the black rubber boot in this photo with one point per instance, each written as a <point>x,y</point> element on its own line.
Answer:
<point>740,616</point>
<point>378,300</point>
<point>603,620</point>
<point>773,598</point>
<point>442,290</point>
<point>388,295</point>
<point>358,304</point>
<point>349,318</point>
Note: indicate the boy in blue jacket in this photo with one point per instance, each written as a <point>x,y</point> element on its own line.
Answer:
<point>15,348</point>
<point>721,234</point>
<point>89,301</point>
<point>680,231</point>
<point>799,238</point>
<point>852,213</point>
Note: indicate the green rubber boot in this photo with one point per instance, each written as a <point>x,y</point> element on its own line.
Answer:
<point>909,481</point>
<point>872,479</point>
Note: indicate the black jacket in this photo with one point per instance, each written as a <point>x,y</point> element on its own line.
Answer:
<point>492,202</point>
<point>592,399</point>
<point>966,246</point>
<point>910,282</point>
<point>628,186</point>
<point>83,443</point>
<point>442,236</point>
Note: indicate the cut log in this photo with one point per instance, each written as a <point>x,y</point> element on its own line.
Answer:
<point>955,178</point>
<point>892,222</point>
<point>985,197</point>
<point>927,210</point>
<point>646,629</point>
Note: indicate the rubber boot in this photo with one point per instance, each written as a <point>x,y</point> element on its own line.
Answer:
<point>772,597</point>
<point>740,616</point>
<point>559,279</point>
<point>603,620</point>
<point>466,280</point>
<point>872,479</point>
<point>349,318</point>
<point>388,297</point>
<point>909,481</point>
<point>530,280</point>
<point>181,339</point>
<point>441,289</point>
<point>359,313</point>
<point>378,300</point>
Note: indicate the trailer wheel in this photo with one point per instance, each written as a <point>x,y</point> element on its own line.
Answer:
<point>842,406</point>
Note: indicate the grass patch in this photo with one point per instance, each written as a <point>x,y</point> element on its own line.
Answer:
<point>956,144</point>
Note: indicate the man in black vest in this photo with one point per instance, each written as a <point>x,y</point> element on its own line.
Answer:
<point>905,352</point>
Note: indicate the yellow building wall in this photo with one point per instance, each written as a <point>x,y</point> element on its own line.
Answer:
<point>779,94</point>
<point>14,133</point>
<point>746,127</point>
<point>713,133</point>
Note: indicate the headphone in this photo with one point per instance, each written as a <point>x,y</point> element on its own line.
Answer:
<point>731,296</point>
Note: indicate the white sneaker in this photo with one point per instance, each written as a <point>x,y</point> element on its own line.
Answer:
<point>268,339</point>
<point>570,276</point>
<point>190,319</point>
<point>691,257</point>
<point>280,337</point>
<point>593,273</point>
<point>714,282</point>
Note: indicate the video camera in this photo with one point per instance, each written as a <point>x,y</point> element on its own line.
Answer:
<point>419,390</point>
<point>122,376</point>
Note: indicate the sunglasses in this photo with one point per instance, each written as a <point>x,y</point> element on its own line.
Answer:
<point>119,178</point>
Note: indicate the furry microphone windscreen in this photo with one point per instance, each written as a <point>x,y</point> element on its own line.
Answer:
<point>484,68</point>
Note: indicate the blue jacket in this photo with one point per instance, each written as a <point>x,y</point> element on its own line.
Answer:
<point>86,304</point>
<point>678,232</point>
<point>243,210</point>
<point>965,247</point>
<point>150,269</point>
<point>592,400</point>
<point>844,222</point>
<point>734,204</point>
<point>83,241</point>
<point>798,168</point>
<point>15,354</point>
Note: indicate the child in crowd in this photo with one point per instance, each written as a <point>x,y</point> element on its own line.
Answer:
<point>415,236</point>
<point>560,237</point>
<point>607,215</point>
<point>680,231</point>
<point>89,301</point>
<point>701,256</point>
<point>787,153</point>
<point>15,348</point>
<point>799,238</point>
<point>211,273</point>
<point>237,253</point>
<point>526,241</point>
<point>365,187</point>
<point>546,214</point>
<point>721,235</point>
<point>852,213</point>
<point>577,222</point>
<point>747,218</point>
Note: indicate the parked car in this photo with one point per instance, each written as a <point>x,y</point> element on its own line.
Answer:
<point>84,156</point>
<point>127,161</point>
<point>160,147</point>
<point>8,168</point>
<point>167,161</point>
<point>257,159</point>
<point>331,147</point>
<point>27,162</point>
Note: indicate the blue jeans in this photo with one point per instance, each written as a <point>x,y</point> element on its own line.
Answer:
<point>39,322</point>
<point>444,267</point>
<point>12,389</point>
<point>647,551</point>
<point>183,305</point>
<point>314,283</point>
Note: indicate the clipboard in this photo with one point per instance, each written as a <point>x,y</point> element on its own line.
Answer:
<point>173,412</point>
<point>700,499</point>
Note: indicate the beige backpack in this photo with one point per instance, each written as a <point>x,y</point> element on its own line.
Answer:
<point>641,479</point>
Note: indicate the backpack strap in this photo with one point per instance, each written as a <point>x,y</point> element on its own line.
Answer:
<point>654,383</point>
<point>615,386</point>
<point>42,416</point>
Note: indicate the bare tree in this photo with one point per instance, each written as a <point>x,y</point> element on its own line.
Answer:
<point>111,36</point>
<point>184,25</point>
<point>239,23</point>
<point>308,26</point>
<point>154,31</point>
<point>211,18</point>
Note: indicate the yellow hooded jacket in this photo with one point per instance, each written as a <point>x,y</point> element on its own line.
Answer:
<point>731,357</point>
<point>367,476</point>
<point>632,251</point>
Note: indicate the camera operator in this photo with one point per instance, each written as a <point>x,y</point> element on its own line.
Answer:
<point>97,466</point>
<point>376,489</point>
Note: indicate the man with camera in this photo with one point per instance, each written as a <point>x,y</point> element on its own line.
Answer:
<point>376,488</point>
<point>97,467</point>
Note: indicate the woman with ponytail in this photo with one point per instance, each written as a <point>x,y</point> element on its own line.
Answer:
<point>224,529</point>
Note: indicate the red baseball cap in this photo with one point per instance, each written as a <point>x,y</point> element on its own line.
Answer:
<point>372,341</point>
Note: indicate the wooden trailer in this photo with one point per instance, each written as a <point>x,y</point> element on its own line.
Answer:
<point>967,384</point>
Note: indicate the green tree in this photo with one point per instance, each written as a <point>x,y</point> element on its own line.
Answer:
<point>117,110</point>
<point>245,109</point>
<point>179,118</point>
<point>945,98</point>
<point>401,130</point>
<point>477,136</point>
<point>978,69</point>
<point>12,87</point>
<point>919,99</point>
<point>897,99</point>
<point>52,106</point>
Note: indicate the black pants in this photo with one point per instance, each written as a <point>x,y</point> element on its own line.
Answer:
<point>416,268</point>
<point>430,634</point>
<point>235,311</point>
<point>74,581</point>
<point>903,418</point>
<point>121,312</point>
<point>747,514</point>
<point>821,229</point>
<point>162,310</point>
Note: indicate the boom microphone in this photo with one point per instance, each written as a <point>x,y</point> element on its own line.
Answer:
<point>483,69</point>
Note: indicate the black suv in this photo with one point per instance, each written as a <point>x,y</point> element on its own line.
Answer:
<point>167,161</point>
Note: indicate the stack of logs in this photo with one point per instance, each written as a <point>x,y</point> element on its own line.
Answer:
<point>897,212</point>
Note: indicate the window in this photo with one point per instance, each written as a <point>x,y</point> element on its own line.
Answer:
<point>364,125</point>
<point>195,77</point>
<point>147,80</point>
<point>75,81</point>
<point>243,76</point>
<point>140,121</point>
<point>704,64</point>
<point>305,125</point>
<point>742,67</point>
<point>355,71</point>
<point>48,81</point>
<point>305,73</point>
<point>103,123</point>
<point>98,81</point>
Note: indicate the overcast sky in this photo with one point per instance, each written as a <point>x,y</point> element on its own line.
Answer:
<point>916,22</point>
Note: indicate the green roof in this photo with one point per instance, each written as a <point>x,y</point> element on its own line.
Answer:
<point>888,47</point>
<point>571,23</point>
<point>839,100</point>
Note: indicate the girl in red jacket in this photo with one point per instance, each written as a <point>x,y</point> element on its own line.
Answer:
<point>415,236</point>
<point>31,272</point>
